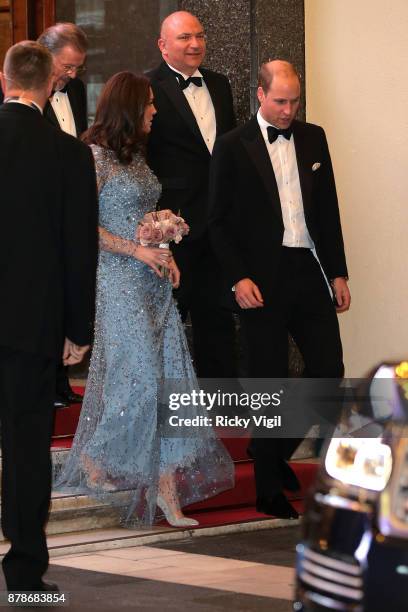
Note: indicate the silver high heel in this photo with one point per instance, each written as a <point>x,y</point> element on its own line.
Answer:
<point>183,521</point>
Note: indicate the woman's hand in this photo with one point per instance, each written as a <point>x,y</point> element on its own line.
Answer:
<point>154,258</point>
<point>174,273</point>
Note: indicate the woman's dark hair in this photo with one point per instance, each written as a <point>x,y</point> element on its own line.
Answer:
<point>119,116</point>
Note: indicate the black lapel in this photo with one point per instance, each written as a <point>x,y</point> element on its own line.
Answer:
<point>169,84</point>
<point>73,100</point>
<point>50,115</point>
<point>303,157</point>
<point>254,143</point>
<point>216,97</point>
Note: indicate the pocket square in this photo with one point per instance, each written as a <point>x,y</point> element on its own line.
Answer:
<point>316,166</point>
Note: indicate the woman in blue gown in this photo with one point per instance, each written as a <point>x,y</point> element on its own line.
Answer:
<point>118,451</point>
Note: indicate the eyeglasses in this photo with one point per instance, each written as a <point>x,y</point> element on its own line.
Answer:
<point>187,37</point>
<point>77,69</point>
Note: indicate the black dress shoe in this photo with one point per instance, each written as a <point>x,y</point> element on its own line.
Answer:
<point>48,586</point>
<point>290,481</point>
<point>60,402</point>
<point>72,397</point>
<point>68,397</point>
<point>277,506</point>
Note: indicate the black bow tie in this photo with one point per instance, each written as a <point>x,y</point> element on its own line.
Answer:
<point>273,133</point>
<point>184,83</point>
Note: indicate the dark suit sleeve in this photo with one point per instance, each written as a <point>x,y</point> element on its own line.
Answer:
<point>221,211</point>
<point>78,100</point>
<point>330,247</point>
<point>80,241</point>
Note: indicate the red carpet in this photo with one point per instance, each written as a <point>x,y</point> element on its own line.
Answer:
<point>234,506</point>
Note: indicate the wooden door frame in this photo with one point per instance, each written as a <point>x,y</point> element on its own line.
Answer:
<point>31,17</point>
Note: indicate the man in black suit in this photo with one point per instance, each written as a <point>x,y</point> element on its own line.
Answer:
<point>67,105</point>
<point>194,106</point>
<point>48,252</point>
<point>272,200</point>
<point>67,109</point>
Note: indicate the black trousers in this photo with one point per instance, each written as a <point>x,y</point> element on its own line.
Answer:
<point>214,342</point>
<point>27,387</point>
<point>62,382</point>
<point>302,307</point>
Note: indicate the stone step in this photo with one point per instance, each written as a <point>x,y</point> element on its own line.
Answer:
<point>82,513</point>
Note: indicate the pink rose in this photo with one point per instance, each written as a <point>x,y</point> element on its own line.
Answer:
<point>157,235</point>
<point>145,233</point>
<point>170,233</point>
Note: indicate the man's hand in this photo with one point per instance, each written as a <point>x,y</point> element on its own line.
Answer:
<point>341,293</point>
<point>73,353</point>
<point>247,294</point>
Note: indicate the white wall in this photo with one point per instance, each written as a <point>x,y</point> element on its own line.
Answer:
<point>357,89</point>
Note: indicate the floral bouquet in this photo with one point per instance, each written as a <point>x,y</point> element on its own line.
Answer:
<point>161,227</point>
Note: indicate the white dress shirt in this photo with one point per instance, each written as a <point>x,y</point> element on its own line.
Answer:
<point>283,158</point>
<point>63,111</point>
<point>202,107</point>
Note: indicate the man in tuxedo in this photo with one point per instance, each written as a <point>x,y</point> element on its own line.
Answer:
<point>272,200</point>
<point>194,106</point>
<point>67,105</point>
<point>67,109</point>
<point>48,252</point>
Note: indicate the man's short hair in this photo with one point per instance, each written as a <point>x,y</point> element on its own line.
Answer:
<point>28,65</point>
<point>266,73</point>
<point>61,35</point>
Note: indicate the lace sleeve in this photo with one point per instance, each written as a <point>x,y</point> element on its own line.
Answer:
<point>101,165</point>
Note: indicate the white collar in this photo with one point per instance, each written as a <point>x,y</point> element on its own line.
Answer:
<point>24,101</point>
<point>262,122</point>
<point>197,73</point>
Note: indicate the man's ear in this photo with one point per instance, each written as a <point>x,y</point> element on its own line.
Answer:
<point>3,82</point>
<point>260,94</point>
<point>161,43</point>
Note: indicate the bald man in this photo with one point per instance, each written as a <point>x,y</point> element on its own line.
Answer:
<point>194,106</point>
<point>272,201</point>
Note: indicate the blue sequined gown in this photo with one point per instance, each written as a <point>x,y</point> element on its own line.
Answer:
<point>139,340</point>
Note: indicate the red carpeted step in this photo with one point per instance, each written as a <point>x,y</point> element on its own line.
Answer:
<point>237,447</point>
<point>236,505</point>
<point>66,419</point>
<point>244,490</point>
<point>61,443</point>
<point>225,516</point>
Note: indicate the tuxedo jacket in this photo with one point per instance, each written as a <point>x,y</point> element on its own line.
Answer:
<point>245,215</point>
<point>176,151</point>
<point>48,247</point>
<point>76,93</point>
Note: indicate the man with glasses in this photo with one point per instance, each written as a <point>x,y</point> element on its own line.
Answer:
<point>67,107</point>
<point>194,106</point>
